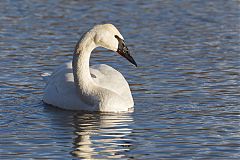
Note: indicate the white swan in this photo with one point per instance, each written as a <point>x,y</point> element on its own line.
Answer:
<point>75,86</point>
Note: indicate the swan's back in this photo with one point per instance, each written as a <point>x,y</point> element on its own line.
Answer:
<point>109,78</point>
<point>61,90</point>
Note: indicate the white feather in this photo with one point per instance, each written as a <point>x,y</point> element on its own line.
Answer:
<point>99,88</point>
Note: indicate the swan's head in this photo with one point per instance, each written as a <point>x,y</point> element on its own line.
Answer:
<point>107,36</point>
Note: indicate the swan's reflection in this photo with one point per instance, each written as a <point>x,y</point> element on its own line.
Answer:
<point>101,135</point>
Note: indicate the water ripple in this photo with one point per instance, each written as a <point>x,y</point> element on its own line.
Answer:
<point>186,88</point>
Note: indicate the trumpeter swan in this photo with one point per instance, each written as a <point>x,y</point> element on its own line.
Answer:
<point>76,86</point>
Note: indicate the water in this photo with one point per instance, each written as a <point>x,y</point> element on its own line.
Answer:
<point>186,88</point>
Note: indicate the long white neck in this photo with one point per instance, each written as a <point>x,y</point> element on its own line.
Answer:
<point>81,72</point>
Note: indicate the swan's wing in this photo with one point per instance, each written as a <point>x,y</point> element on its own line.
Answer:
<point>107,77</point>
<point>103,75</point>
<point>60,90</point>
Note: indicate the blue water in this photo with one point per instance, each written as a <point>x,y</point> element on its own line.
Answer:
<point>186,88</point>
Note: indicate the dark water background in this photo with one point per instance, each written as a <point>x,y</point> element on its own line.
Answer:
<point>186,88</point>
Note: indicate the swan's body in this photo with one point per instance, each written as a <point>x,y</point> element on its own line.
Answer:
<point>75,86</point>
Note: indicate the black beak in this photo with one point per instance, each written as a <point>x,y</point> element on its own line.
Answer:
<point>123,51</point>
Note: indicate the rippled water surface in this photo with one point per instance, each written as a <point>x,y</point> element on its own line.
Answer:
<point>186,88</point>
